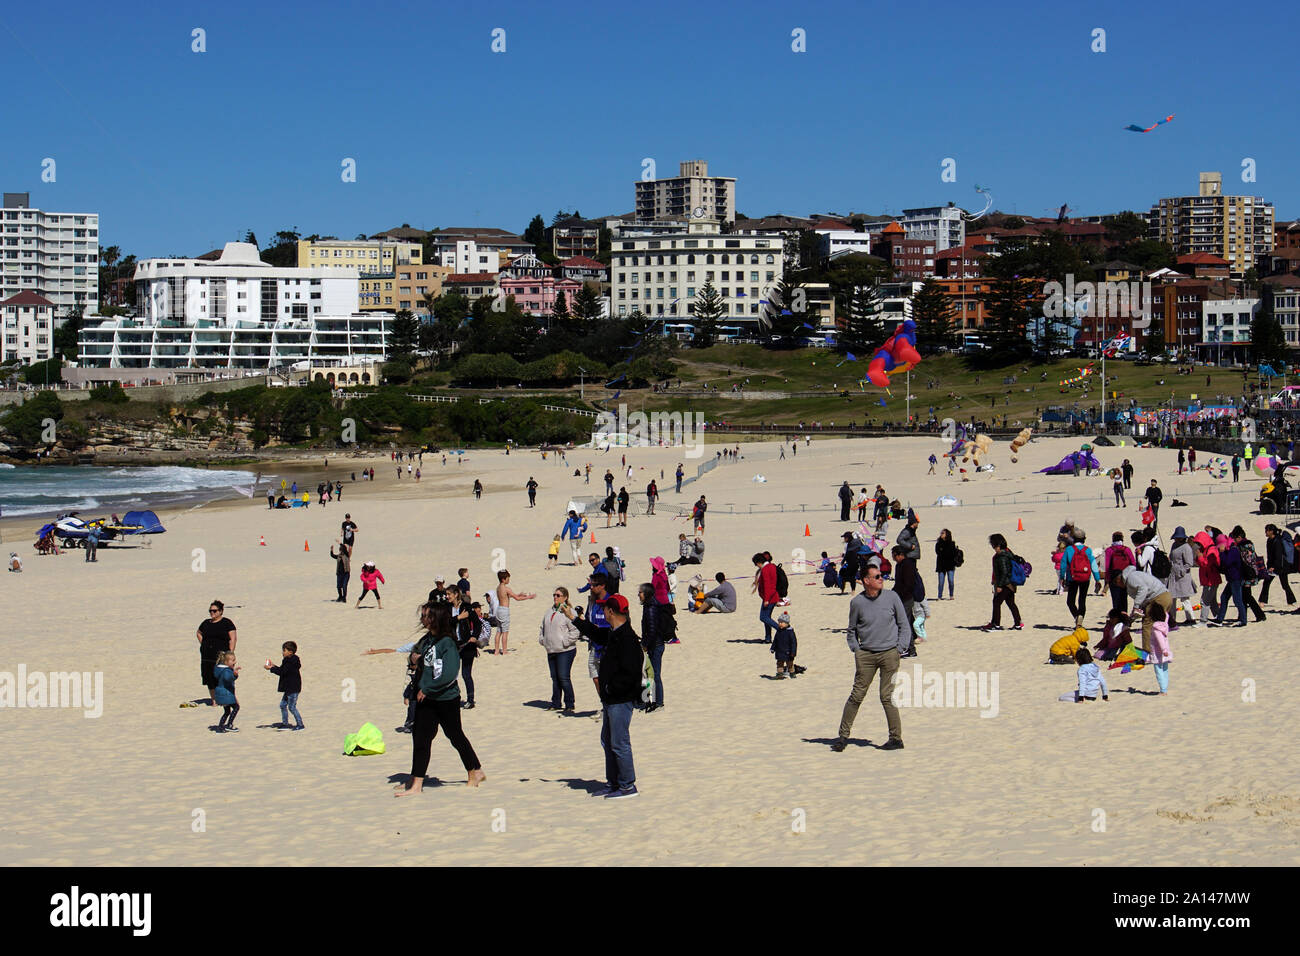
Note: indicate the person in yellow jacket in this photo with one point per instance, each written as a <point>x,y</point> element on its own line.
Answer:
<point>1062,652</point>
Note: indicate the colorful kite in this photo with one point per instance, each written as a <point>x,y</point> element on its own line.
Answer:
<point>1079,379</point>
<point>1141,129</point>
<point>897,354</point>
<point>1119,343</point>
<point>1130,659</point>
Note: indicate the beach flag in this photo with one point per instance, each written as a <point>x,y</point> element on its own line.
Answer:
<point>1148,516</point>
<point>1130,659</point>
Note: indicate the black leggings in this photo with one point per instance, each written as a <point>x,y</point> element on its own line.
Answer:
<point>467,655</point>
<point>429,715</point>
<point>228,715</point>
<point>1076,598</point>
<point>1005,596</point>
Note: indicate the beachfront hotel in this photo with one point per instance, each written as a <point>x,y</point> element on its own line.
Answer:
<point>51,254</point>
<point>236,312</point>
<point>660,267</point>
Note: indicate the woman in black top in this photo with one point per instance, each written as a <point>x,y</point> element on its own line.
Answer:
<point>214,635</point>
<point>945,563</point>
<point>467,630</point>
<point>623,499</point>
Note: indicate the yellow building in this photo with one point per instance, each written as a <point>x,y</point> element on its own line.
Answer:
<point>367,256</point>
<point>411,283</point>
<point>1236,228</point>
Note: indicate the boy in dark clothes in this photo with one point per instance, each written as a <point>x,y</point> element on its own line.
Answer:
<point>785,645</point>
<point>290,672</point>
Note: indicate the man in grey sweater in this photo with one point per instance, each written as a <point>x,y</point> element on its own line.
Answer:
<point>878,634</point>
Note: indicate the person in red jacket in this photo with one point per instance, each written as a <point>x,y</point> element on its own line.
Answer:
<point>765,585</point>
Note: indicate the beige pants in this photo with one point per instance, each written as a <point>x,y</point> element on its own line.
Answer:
<point>867,663</point>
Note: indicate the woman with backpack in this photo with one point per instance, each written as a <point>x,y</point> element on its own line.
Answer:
<point>437,697</point>
<point>468,629</point>
<point>1007,569</point>
<point>765,585</point>
<point>782,582</point>
<point>1117,558</point>
<point>1077,569</point>
<point>1280,557</point>
<point>947,557</point>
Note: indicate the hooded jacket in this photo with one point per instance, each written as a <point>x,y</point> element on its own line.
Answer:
<point>1142,588</point>
<point>1207,561</point>
<point>289,671</point>
<point>659,579</point>
<point>907,539</point>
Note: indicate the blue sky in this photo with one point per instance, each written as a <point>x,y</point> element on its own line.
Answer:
<point>180,151</point>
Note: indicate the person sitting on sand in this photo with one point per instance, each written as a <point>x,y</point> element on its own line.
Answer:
<point>1114,635</point>
<point>15,562</point>
<point>1090,680</point>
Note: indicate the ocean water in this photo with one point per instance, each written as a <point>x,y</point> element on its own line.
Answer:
<point>26,490</point>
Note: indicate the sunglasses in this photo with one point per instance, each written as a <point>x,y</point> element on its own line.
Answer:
<point>214,610</point>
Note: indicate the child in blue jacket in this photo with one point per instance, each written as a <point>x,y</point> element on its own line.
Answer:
<point>226,672</point>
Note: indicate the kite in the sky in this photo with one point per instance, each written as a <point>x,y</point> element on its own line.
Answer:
<point>1146,129</point>
<point>1078,379</point>
<point>848,357</point>
<point>988,204</point>
<point>897,354</point>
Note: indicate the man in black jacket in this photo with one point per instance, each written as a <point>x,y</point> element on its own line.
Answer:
<point>657,626</point>
<point>846,500</point>
<point>619,683</point>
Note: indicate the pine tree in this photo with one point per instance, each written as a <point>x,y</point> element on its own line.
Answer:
<point>1007,315</point>
<point>403,334</point>
<point>707,308</point>
<point>935,316</point>
<point>560,310</point>
<point>536,234</point>
<point>586,305</point>
<point>1267,340</point>
<point>864,329</point>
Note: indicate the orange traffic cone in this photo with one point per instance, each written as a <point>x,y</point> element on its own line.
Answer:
<point>593,537</point>
<point>1020,525</point>
<point>304,546</point>
<point>261,540</point>
<point>807,531</point>
<point>477,534</point>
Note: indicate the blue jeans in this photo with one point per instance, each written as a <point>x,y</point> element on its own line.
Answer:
<point>1162,677</point>
<point>616,738</point>
<point>1233,591</point>
<point>656,655</point>
<point>289,705</point>
<point>560,665</point>
<point>769,625</point>
<point>951,578</point>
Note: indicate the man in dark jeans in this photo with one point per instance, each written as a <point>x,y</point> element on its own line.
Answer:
<point>654,631</point>
<point>1276,558</point>
<point>846,500</point>
<point>621,664</point>
<point>1154,497</point>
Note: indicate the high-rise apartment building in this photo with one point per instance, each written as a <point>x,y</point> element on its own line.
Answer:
<point>1236,228</point>
<point>694,194</point>
<point>53,254</point>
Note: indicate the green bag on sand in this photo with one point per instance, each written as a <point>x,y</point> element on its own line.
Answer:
<point>368,740</point>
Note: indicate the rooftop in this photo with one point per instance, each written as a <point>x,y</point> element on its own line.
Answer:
<point>27,298</point>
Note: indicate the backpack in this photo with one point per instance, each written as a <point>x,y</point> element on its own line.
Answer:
<point>1118,561</point>
<point>667,622</point>
<point>782,582</point>
<point>1288,551</point>
<point>1020,570</point>
<point>1080,565</point>
<point>1252,566</point>
<point>1160,566</point>
<point>959,559</point>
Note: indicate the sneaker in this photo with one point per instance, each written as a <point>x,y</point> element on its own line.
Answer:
<point>991,627</point>
<point>604,791</point>
<point>892,745</point>
<point>673,641</point>
<point>232,730</point>
<point>840,744</point>
<point>622,794</point>
<point>218,730</point>
<point>1016,627</point>
<point>280,726</point>
<point>301,727</point>
<point>567,710</point>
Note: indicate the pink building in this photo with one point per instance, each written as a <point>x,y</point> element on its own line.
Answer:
<point>536,295</point>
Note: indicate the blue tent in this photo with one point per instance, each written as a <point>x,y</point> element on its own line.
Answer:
<point>145,522</point>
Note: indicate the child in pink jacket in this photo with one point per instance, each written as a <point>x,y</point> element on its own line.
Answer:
<point>369,575</point>
<point>1160,654</point>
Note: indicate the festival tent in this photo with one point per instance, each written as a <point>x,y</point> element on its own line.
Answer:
<point>1066,465</point>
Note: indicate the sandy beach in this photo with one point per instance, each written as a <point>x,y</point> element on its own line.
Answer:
<point>736,769</point>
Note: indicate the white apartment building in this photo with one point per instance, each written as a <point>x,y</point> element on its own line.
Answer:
<point>26,328</point>
<point>693,194</point>
<point>661,273</point>
<point>1227,320</point>
<point>1286,306</point>
<point>236,312</point>
<point>942,225</point>
<point>366,256</point>
<point>834,242</point>
<point>52,254</point>
<point>467,250</point>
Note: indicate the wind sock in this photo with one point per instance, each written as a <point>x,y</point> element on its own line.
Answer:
<point>897,354</point>
<point>1132,127</point>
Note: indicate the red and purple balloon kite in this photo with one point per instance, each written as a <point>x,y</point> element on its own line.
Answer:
<point>898,354</point>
